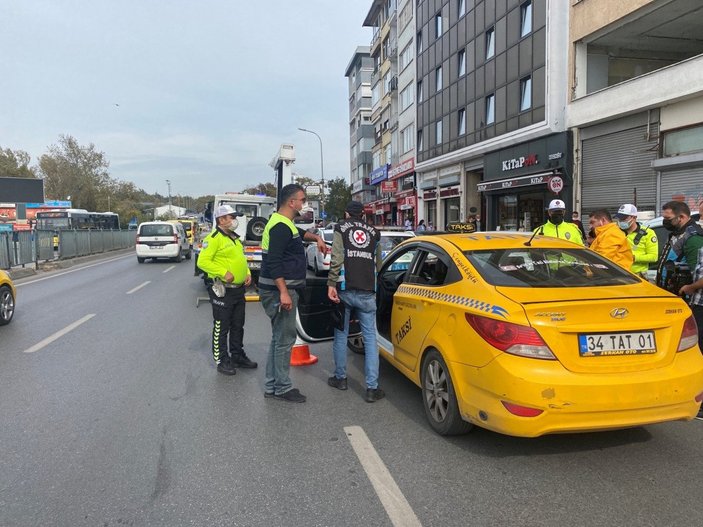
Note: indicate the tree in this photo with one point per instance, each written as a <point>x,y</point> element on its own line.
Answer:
<point>15,163</point>
<point>70,169</point>
<point>337,198</point>
<point>267,189</point>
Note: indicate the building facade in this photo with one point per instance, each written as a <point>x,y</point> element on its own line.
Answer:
<point>636,102</point>
<point>361,133</point>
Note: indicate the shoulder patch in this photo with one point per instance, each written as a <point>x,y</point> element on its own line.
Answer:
<point>204,244</point>
<point>654,239</point>
<point>567,235</point>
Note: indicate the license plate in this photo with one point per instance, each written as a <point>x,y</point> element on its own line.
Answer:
<point>600,344</point>
<point>254,265</point>
<point>157,246</point>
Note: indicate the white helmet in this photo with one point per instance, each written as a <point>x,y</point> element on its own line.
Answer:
<point>556,204</point>
<point>224,210</point>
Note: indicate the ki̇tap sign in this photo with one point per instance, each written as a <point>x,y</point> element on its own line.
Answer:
<point>519,162</point>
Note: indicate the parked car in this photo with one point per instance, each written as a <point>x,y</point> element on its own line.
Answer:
<point>531,337</point>
<point>8,293</point>
<point>161,239</point>
<point>318,262</point>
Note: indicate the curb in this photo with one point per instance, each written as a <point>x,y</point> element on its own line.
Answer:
<point>55,265</point>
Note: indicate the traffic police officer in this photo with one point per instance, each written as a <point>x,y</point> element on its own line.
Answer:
<point>556,227</point>
<point>643,240</point>
<point>222,259</point>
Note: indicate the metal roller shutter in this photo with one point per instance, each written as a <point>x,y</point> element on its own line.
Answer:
<point>683,185</point>
<point>616,164</point>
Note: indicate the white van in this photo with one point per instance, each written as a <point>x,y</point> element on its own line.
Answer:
<point>161,239</point>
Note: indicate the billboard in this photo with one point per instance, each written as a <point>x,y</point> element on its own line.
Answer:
<point>21,190</point>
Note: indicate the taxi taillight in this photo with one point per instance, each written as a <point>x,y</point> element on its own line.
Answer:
<point>511,338</point>
<point>689,334</point>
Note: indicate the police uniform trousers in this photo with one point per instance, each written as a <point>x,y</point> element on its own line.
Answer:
<point>228,320</point>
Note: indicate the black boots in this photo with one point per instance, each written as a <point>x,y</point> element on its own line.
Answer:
<point>242,361</point>
<point>226,368</point>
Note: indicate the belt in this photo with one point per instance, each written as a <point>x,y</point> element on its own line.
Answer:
<point>232,286</point>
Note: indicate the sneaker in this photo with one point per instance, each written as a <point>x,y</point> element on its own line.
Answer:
<point>268,395</point>
<point>226,368</point>
<point>292,396</point>
<point>374,394</point>
<point>340,384</point>
<point>242,361</point>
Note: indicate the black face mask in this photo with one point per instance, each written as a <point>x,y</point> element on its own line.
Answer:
<point>669,226</point>
<point>556,218</point>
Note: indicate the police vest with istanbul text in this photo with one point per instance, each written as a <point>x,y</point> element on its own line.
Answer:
<point>360,246</point>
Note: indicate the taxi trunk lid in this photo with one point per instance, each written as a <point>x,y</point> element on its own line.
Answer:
<point>605,330</point>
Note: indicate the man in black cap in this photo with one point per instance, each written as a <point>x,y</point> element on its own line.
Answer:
<point>356,257</point>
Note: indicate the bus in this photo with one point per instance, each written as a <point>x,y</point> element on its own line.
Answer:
<point>75,219</point>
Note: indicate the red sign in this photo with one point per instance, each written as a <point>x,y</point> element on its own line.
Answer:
<point>401,169</point>
<point>555,184</point>
<point>389,186</point>
<point>407,203</point>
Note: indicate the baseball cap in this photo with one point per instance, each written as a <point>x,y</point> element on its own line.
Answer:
<point>556,204</point>
<point>355,208</point>
<point>626,210</point>
<point>224,210</point>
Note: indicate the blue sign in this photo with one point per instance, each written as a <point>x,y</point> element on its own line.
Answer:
<point>5,227</point>
<point>378,175</point>
<point>51,203</point>
<point>323,215</point>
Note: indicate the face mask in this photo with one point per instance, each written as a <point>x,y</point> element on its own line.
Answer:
<point>624,225</point>
<point>233,226</point>
<point>556,218</point>
<point>668,225</point>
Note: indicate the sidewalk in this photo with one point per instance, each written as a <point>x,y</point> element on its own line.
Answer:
<point>18,272</point>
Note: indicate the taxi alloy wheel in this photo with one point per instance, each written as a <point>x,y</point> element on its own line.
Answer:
<point>7,305</point>
<point>356,344</point>
<point>438,397</point>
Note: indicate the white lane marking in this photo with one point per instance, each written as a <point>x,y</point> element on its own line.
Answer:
<point>59,334</point>
<point>73,270</point>
<point>167,270</point>
<point>138,287</point>
<point>397,507</point>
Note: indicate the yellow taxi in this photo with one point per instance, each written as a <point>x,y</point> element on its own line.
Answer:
<point>532,335</point>
<point>8,294</point>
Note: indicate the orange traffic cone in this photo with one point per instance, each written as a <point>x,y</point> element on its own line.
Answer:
<point>300,354</point>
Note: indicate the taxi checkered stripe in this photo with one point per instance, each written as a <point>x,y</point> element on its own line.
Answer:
<point>444,297</point>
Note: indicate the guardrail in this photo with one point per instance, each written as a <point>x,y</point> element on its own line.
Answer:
<point>32,247</point>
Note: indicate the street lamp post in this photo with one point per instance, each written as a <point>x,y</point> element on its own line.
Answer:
<point>322,171</point>
<point>170,211</point>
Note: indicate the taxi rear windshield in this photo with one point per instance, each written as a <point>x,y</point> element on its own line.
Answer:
<point>540,267</point>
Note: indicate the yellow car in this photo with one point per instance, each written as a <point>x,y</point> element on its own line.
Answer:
<point>7,298</point>
<point>529,336</point>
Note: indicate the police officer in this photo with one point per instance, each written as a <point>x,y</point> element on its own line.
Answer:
<point>283,274</point>
<point>556,227</point>
<point>643,240</point>
<point>222,259</point>
<point>356,257</point>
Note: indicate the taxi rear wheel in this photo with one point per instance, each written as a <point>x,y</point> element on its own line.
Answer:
<point>356,344</point>
<point>7,305</point>
<point>439,398</point>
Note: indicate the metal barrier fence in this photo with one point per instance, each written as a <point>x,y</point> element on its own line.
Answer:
<point>32,247</point>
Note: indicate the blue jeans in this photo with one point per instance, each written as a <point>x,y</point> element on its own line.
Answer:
<point>364,305</point>
<point>283,333</point>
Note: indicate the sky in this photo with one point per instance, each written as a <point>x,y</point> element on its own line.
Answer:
<point>198,92</point>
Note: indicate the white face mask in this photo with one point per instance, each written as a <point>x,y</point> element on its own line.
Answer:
<point>233,226</point>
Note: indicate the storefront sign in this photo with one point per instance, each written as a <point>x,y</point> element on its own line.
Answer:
<point>404,194</point>
<point>378,175</point>
<point>401,169</point>
<point>449,192</point>
<point>406,203</point>
<point>368,209</point>
<point>523,161</point>
<point>358,186</point>
<point>524,181</point>
<point>555,184</point>
<point>389,186</point>
<point>432,194</point>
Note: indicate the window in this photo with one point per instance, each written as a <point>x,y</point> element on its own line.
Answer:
<point>376,94</point>
<point>419,91</point>
<point>438,132</point>
<point>419,42</point>
<point>420,144</point>
<point>406,56</point>
<point>376,159</point>
<point>461,59</point>
<point>490,43</point>
<point>389,153</point>
<point>525,94</point>
<point>408,138</point>
<point>490,109</point>
<point>406,97</point>
<point>462,8</point>
<point>462,122</point>
<point>438,25</point>
<point>438,78</point>
<point>526,18</point>
<point>387,82</point>
<point>684,141</point>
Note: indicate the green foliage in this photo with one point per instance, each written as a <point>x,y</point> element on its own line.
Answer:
<point>15,163</point>
<point>268,189</point>
<point>338,195</point>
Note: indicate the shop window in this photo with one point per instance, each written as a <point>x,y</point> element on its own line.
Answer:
<point>526,18</point>
<point>525,94</point>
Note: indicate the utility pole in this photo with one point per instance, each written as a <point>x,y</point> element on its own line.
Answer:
<point>170,211</point>
<point>322,172</point>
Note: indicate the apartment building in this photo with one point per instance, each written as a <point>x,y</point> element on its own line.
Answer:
<point>361,132</point>
<point>636,102</point>
<point>491,93</point>
<point>382,17</point>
